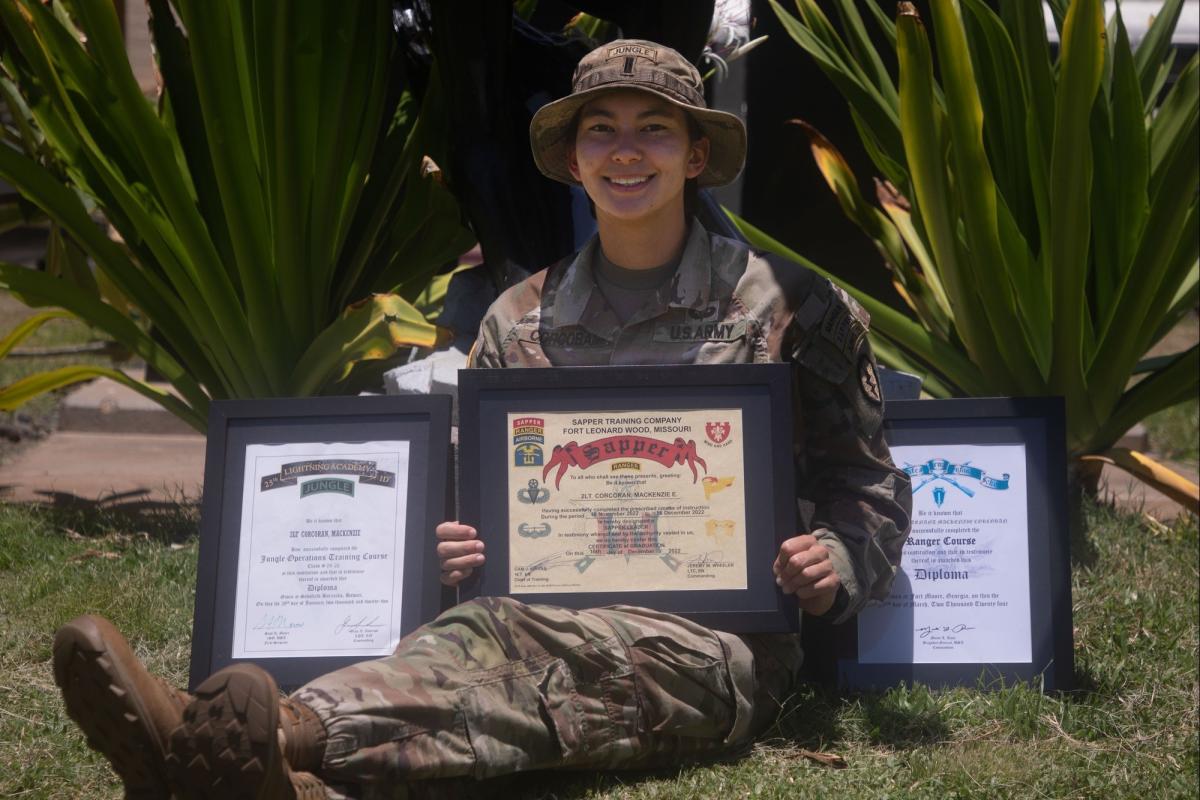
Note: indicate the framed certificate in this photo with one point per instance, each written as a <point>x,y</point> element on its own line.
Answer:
<point>666,487</point>
<point>984,590</point>
<point>316,531</point>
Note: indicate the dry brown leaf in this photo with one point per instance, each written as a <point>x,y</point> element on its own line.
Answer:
<point>828,759</point>
<point>73,535</point>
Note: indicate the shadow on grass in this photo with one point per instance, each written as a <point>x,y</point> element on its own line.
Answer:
<point>817,718</point>
<point>811,719</point>
<point>552,784</point>
<point>126,513</point>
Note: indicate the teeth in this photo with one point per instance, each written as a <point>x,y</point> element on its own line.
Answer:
<point>629,181</point>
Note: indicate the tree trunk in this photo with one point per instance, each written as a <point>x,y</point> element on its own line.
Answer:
<point>1083,481</point>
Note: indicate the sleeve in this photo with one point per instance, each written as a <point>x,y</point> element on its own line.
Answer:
<point>486,351</point>
<point>858,502</point>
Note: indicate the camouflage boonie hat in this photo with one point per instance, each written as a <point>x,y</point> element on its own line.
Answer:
<point>648,67</point>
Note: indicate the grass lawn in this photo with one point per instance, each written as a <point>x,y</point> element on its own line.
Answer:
<point>1130,731</point>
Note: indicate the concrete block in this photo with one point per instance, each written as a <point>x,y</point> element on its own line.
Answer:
<point>435,374</point>
<point>105,406</point>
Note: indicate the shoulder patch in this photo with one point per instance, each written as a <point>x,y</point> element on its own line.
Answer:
<point>833,333</point>
<point>868,379</point>
<point>843,330</point>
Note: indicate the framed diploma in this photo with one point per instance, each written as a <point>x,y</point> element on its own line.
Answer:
<point>316,531</point>
<point>665,487</point>
<point>983,594</point>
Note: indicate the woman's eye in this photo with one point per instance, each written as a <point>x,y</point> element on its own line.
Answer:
<point>600,127</point>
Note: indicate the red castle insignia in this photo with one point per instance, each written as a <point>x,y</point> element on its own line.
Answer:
<point>716,432</point>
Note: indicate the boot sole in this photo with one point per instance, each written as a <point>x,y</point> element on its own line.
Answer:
<point>227,747</point>
<point>96,670</point>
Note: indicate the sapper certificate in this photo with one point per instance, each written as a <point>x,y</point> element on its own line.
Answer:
<point>321,550</point>
<point>626,501</point>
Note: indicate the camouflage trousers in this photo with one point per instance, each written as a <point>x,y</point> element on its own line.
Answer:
<point>494,686</point>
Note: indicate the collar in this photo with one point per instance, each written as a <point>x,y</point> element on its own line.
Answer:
<point>577,298</point>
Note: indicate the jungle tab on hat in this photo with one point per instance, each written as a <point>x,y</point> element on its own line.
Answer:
<point>648,67</point>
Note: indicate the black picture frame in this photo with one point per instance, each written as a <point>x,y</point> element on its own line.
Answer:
<point>422,421</point>
<point>762,391</point>
<point>1037,423</point>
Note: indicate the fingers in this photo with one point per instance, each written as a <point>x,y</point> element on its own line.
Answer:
<point>454,531</point>
<point>804,582</point>
<point>455,577</point>
<point>467,562</point>
<point>797,554</point>
<point>804,588</point>
<point>459,552</point>
<point>803,568</point>
<point>793,547</point>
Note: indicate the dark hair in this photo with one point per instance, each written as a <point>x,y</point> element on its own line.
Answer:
<point>691,187</point>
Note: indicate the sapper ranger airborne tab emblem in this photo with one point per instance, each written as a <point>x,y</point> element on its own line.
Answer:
<point>529,434</point>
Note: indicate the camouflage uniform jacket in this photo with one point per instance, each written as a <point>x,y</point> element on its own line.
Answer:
<point>728,304</point>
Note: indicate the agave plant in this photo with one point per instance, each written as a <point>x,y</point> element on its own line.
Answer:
<point>276,209</point>
<point>1038,213</point>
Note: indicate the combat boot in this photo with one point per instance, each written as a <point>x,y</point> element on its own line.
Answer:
<point>230,744</point>
<point>126,713</point>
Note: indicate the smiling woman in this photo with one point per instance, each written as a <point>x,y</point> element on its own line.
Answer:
<point>496,686</point>
<point>633,154</point>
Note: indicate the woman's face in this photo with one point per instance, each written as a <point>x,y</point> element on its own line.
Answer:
<point>633,153</point>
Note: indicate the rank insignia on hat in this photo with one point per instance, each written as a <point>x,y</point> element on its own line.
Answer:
<point>633,51</point>
<point>869,379</point>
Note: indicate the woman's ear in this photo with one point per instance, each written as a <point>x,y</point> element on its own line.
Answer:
<point>573,165</point>
<point>698,157</point>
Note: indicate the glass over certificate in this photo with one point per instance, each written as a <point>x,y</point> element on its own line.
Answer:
<point>321,552</point>
<point>626,501</point>
<point>962,592</point>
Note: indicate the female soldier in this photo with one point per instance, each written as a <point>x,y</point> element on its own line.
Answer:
<point>495,686</point>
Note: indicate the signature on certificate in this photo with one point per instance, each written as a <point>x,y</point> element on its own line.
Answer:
<point>350,624</point>
<point>546,563</point>
<point>704,559</point>
<point>276,622</point>
<point>926,630</point>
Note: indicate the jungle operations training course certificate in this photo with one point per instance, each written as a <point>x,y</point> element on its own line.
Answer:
<point>322,550</point>
<point>962,592</point>
<point>626,501</point>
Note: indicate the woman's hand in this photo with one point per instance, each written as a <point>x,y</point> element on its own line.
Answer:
<point>803,568</point>
<point>459,552</point>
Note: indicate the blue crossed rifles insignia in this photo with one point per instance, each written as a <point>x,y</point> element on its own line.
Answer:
<point>534,493</point>
<point>943,470</point>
